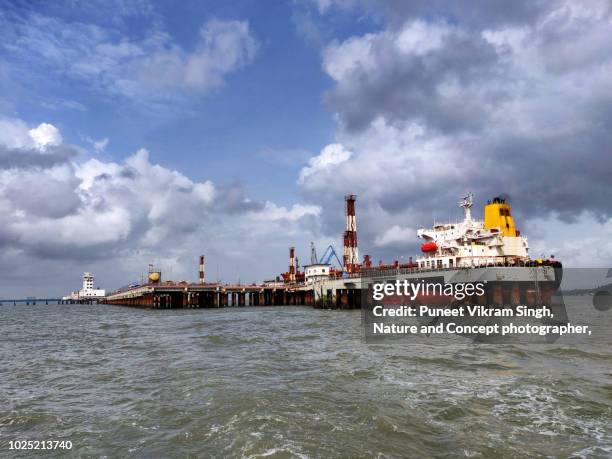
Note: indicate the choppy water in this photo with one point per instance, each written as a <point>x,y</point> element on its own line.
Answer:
<point>288,382</point>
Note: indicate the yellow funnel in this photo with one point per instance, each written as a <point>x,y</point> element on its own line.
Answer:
<point>497,214</point>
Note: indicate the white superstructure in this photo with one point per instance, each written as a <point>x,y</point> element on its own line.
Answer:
<point>316,272</point>
<point>473,243</point>
<point>88,291</point>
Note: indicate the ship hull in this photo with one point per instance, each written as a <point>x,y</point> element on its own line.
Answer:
<point>503,285</point>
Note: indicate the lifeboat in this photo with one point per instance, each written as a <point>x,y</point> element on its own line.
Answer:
<point>429,247</point>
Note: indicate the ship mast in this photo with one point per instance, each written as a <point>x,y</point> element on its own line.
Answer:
<point>467,202</point>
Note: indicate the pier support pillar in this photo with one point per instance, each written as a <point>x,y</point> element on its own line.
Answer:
<point>496,295</point>
<point>515,295</point>
<point>530,297</point>
<point>546,296</point>
<point>343,299</point>
<point>481,299</point>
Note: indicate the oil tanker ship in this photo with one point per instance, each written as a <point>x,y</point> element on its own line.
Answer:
<point>490,251</point>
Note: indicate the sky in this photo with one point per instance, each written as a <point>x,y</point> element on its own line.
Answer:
<point>137,132</point>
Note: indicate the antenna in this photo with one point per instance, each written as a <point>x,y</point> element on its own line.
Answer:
<point>313,254</point>
<point>467,202</point>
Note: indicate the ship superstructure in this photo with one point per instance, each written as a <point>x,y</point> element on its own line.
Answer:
<point>474,243</point>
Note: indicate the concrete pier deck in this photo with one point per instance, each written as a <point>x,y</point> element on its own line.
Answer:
<point>211,295</point>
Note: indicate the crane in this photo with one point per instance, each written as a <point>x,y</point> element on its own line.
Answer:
<point>327,256</point>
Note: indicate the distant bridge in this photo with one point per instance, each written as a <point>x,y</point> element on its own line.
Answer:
<point>28,301</point>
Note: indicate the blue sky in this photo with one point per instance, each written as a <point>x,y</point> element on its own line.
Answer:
<point>152,131</point>
<point>269,116</point>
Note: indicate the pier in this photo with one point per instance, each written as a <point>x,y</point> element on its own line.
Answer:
<point>213,295</point>
<point>505,285</point>
<point>496,257</point>
<point>28,301</point>
<point>34,301</point>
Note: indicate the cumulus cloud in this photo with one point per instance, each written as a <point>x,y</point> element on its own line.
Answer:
<point>431,72</point>
<point>23,148</point>
<point>100,207</point>
<point>44,135</point>
<point>16,134</point>
<point>26,158</point>
<point>274,212</point>
<point>395,236</point>
<point>54,198</point>
<point>233,200</point>
<point>332,155</point>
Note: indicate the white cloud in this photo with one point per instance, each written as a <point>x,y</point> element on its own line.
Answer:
<point>340,59</point>
<point>154,67</point>
<point>420,37</point>
<point>98,205</point>
<point>273,212</point>
<point>396,236</point>
<point>323,6</point>
<point>114,203</point>
<point>224,46</point>
<point>331,156</point>
<point>45,134</point>
<point>15,134</point>
<point>98,145</point>
<point>584,243</point>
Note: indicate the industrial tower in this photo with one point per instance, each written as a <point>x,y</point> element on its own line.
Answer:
<point>201,269</point>
<point>291,264</point>
<point>351,253</point>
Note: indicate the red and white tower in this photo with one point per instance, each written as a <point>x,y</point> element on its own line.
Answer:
<point>201,269</point>
<point>351,253</point>
<point>291,264</point>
